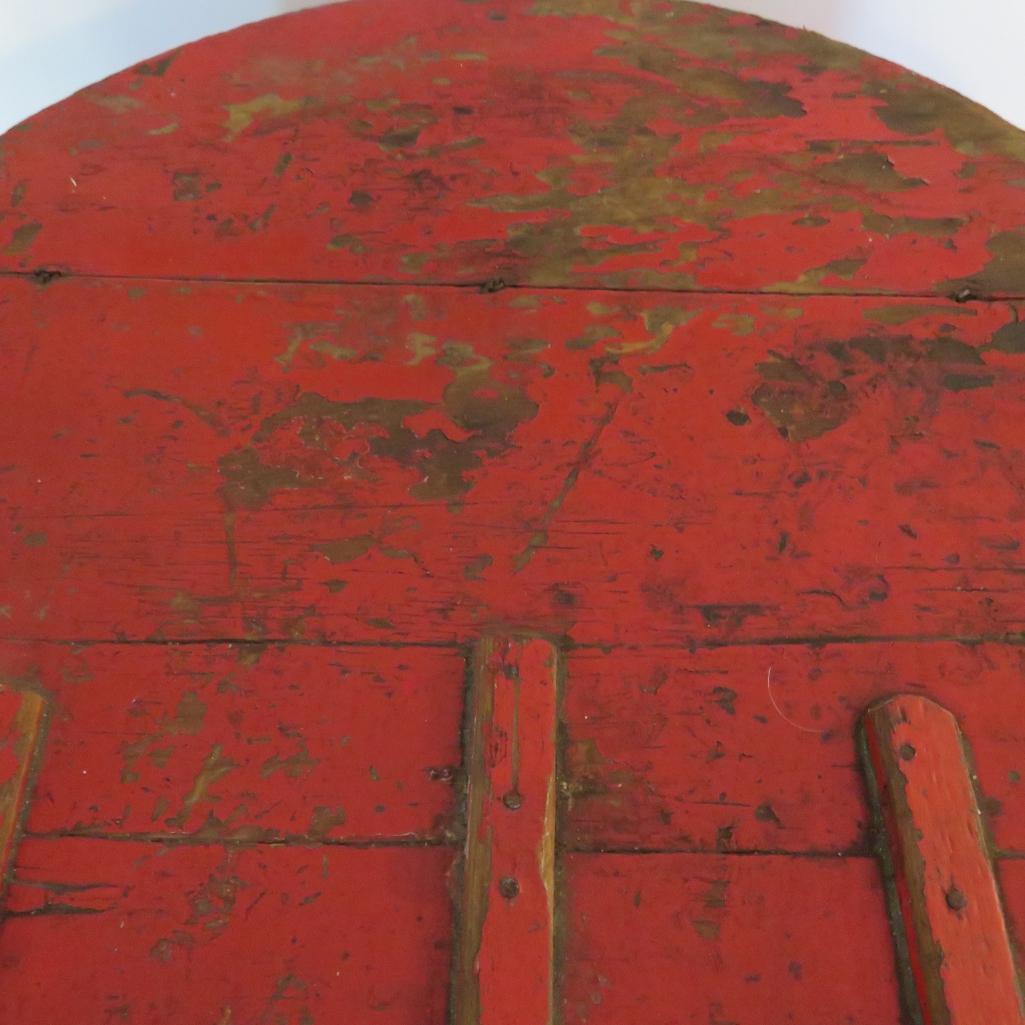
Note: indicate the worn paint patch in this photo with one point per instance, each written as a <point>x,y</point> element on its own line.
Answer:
<point>346,550</point>
<point>818,388</point>
<point>740,324</point>
<point>321,337</point>
<point>483,411</point>
<point>264,110</point>
<point>820,277</point>
<point>798,401</point>
<point>23,237</point>
<point>158,67</point>
<point>906,313</point>
<point>711,33</point>
<point>920,108</point>
<point>22,723</point>
<point>678,146</point>
<point>1010,338</point>
<point>866,168</point>
<point>703,83</point>
<point>936,227</point>
<point>117,104</point>
<point>1005,272</point>
<point>249,483</point>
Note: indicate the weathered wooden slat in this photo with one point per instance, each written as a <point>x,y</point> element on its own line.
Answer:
<point>546,142</point>
<point>22,719</point>
<point>305,463</point>
<point>948,921</point>
<point>149,932</point>
<point>247,743</point>
<point>705,940</point>
<point>752,748</point>
<point>504,961</point>
<point>665,749</point>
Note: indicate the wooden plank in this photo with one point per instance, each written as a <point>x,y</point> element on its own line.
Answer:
<point>752,748</point>
<point>536,141</point>
<point>504,967</point>
<point>246,743</point>
<point>149,932</point>
<point>1010,873</point>
<point>700,939</point>
<point>345,464</point>
<point>944,902</point>
<point>22,720</point>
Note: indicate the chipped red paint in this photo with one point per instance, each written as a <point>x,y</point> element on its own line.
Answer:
<point>946,907</point>
<point>227,742</point>
<point>337,343</point>
<point>660,469</point>
<point>551,142</point>
<point>504,970</point>
<point>706,751</point>
<point>22,716</point>
<point>699,939</point>
<point>225,935</point>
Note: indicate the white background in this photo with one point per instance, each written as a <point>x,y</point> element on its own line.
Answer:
<point>50,48</point>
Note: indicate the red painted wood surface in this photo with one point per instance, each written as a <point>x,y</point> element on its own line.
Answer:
<point>547,142</point>
<point>947,915</point>
<point>22,718</point>
<point>258,462</point>
<point>243,743</point>
<point>706,751</point>
<point>100,931</point>
<point>505,960</point>
<point>273,463</point>
<point>709,939</point>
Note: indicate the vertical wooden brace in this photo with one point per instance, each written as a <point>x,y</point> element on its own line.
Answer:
<point>952,938</point>
<point>22,718</point>
<point>505,942</point>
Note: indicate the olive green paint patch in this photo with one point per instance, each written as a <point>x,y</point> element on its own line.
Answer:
<point>1005,272</point>
<point>966,382</point>
<point>1010,338</point>
<point>23,237</point>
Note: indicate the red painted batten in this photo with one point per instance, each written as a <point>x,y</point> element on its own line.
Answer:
<point>946,908</point>
<point>504,970</point>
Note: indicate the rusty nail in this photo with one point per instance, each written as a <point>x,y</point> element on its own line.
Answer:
<point>956,900</point>
<point>508,887</point>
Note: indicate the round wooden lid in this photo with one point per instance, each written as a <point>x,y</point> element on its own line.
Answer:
<point>657,369</point>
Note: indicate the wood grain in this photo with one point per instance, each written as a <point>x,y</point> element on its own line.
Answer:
<point>505,955</point>
<point>752,748</point>
<point>699,939</point>
<point>542,142</point>
<point>225,935</point>
<point>347,464</point>
<point>948,921</point>
<point>247,743</point>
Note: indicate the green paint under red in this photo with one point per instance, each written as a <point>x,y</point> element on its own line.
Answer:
<point>551,142</point>
<point>251,528</point>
